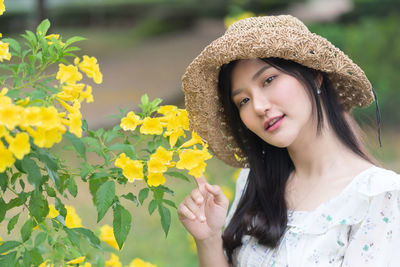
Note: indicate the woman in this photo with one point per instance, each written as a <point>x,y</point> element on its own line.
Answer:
<point>272,97</point>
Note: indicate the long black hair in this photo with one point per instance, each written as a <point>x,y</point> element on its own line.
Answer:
<point>262,209</point>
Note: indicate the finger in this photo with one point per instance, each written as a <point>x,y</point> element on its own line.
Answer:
<point>201,181</point>
<point>197,210</point>
<point>185,213</point>
<point>197,196</point>
<point>218,194</point>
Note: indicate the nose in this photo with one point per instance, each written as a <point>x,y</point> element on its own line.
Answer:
<point>261,103</point>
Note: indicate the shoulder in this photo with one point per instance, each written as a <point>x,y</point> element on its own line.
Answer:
<point>375,181</point>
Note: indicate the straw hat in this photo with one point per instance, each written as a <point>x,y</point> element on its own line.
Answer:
<point>262,37</point>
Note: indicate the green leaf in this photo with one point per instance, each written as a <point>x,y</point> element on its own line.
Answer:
<point>144,99</point>
<point>73,40</point>
<point>26,230</point>
<point>43,27</point>
<point>37,258</point>
<point>61,208</point>
<point>40,238</point>
<point>169,203</point>
<point>3,181</point>
<point>51,167</point>
<point>128,149</point>
<point>72,188</point>
<point>8,245</point>
<point>3,209</point>
<point>49,190</point>
<point>165,215</point>
<point>143,195</point>
<point>90,236</point>
<point>104,198</point>
<point>131,197</point>
<point>33,171</point>
<point>152,206</point>
<point>77,143</point>
<point>73,237</point>
<point>27,259</point>
<point>13,221</point>
<point>38,206</point>
<point>8,259</point>
<point>121,224</point>
<point>177,175</point>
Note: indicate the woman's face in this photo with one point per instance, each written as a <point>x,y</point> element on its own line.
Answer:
<point>272,104</point>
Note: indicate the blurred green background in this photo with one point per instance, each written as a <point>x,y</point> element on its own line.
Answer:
<point>144,46</point>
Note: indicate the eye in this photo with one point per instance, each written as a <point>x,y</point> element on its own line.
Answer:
<point>243,101</point>
<point>269,80</point>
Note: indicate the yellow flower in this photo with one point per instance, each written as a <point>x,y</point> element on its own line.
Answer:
<point>121,161</point>
<point>131,169</point>
<point>10,115</point>
<point>87,94</point>
<point>4,51</point>
<point>107,236</point>
<point>140,263</point>
<point>23,102</point>
<point>77,260</point>
<point>163,155</point>
<point>198,170</point>
<point>31,116</point>
<point>55,36</point>
<point>68,74</point>
<point>75,123</point>
<point>151,126</point>
<point>52,211</point>
<point>156,165</point>
<point>2,8</point>
<point>19,145</point>
<point>3,131</point>
<point>167,109</point>
<point>183,119</point>
<point>155,179</point>
<point>72,219</point>
<point>193,160</point>
<point>46,138</point>
<point>6,158</point>
<point>130,122</point>
<point>49,118</point>
<point>195,140</point>
<point>45,264</point>
<point>71,92</point>
<point>91,68</point>
<point>114,261</point>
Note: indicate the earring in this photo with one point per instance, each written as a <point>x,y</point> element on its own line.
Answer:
<point>318,91</point>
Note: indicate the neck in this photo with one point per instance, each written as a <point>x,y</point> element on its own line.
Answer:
<point>320,155</point>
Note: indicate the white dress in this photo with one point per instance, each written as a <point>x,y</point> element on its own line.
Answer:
<point>359,228</point>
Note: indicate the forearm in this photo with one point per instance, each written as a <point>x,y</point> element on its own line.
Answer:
<point>210,253</point>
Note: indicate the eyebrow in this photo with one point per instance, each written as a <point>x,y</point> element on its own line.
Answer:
<point>255,76</point>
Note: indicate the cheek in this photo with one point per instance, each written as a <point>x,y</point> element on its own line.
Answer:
<point>292,93</point>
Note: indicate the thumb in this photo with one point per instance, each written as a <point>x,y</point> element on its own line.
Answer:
<point>218,194</point>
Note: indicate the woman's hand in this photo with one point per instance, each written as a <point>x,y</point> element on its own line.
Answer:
<point>203,211</point>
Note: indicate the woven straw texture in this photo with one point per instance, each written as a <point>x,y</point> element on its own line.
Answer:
<point>262,37</point>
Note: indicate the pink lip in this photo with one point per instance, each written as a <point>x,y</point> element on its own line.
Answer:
<point>275,125</point>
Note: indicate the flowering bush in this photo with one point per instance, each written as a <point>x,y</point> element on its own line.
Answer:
<point>39,109</point>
